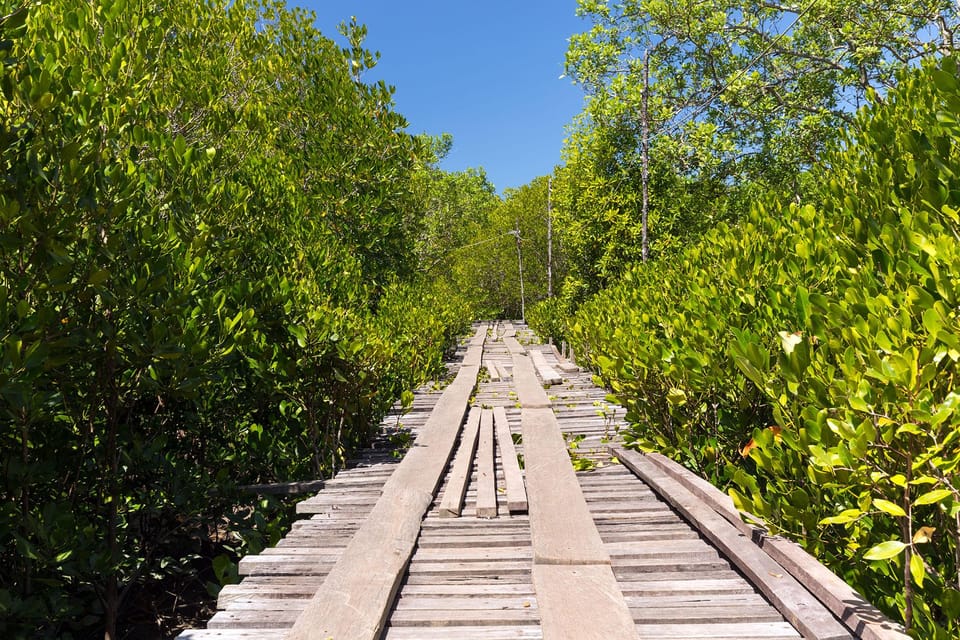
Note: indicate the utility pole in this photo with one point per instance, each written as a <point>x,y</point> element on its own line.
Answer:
<point>645,144</point>
<point>523,309</point>
<point>549,238</point>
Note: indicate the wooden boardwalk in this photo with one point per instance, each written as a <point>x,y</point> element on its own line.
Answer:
<point>453,541</point>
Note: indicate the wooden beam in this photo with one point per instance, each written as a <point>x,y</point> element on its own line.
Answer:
<point>513,476</point>
<point>861,617</point>
<point>452,501</point>
<point>486,476</point>
<point>577,592</point>
<point>547,373</point>
<point>798,606</point>
<point>513,346</point>
<point>283,488</point>
<point>530,393</point>
<point>561,525</point>
<point>581,603</point>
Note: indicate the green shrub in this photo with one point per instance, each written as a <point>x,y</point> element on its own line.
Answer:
<point>195,270</point>
<point>807,358</point>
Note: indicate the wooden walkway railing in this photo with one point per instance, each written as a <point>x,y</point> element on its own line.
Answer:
<point>455,541</point>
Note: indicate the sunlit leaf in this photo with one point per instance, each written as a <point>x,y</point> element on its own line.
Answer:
<point>889,507</point>
<point>885,550</point>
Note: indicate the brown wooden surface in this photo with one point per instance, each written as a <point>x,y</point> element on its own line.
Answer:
<point>858,615</point>
<point>562,526</point>
<point>486,480</point>
<point>547,373</point>
<point>530,393</point>
<point>581,602</point>
<point>452,502</point>
<point>512,475</point>
<point>644,570</point>
<point>796,604</point>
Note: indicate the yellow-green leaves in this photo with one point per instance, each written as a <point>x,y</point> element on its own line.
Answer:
<point>885,550</point>
<point>917,568</point>
<point>933,497</point>
<point>889,508</point>
<point>838,323</point>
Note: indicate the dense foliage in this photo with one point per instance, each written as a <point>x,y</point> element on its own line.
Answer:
<point>742,96</point>
<point>807,358</point>
<point>479,242</point>
<point>207,278</point>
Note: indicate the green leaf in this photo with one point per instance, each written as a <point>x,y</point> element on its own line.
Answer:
<point>932,497</point>
<point>676,397</point>
<point>889,507</point>
<point>299,333</point>
<point>917,568</point>
<point>944,81</point>
<point>848,515</point>
<point>885,550</point>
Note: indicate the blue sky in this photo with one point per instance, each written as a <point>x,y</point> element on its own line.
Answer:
<point>486,72</point>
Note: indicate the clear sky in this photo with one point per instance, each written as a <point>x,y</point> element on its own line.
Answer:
<point>486,72</point>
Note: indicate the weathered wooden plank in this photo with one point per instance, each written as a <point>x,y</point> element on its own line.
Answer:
<point>576,589</point>
<point>284,488</point>
<point>513,346</point>
<point>477,590</point>
<point>474,568</point>
<point>865,620</point>
<point>727,583</point>
<point>529,392</point>
<point>473,601</point>
<point>461,617</point>
<point>492,372</point>
<point>513,476</point>
<point>562,363</point>
<point>581,602</point>
<point>561,527</point>
<point>233,634</point>
<point>796,604</point>
<point>694,612</point>
<point>459,477</point>
<point>487,540</point>
<point>524,632</point>
<point>469,553</point>
<point>354,600</point>
<point>240,619</point>
<point>722,631</point>
<point>547,373</point>
<point>486,479</point>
